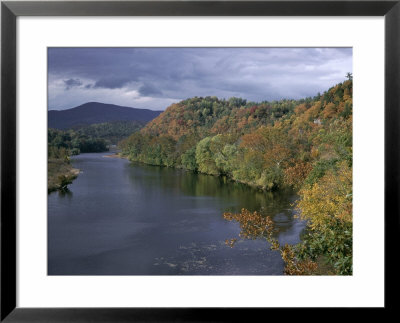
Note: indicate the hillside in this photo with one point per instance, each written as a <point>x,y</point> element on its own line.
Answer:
<point>260,144</point>
<point>94,112</point>
<point>305,145</point>
<point>211,115</point>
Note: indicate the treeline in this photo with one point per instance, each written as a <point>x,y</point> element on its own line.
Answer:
<point>111,132</point>
<point>305,144</point>
<point>73,143</point>
<point>90,138</point>
<point>61,145</point>
<point>83,139</point>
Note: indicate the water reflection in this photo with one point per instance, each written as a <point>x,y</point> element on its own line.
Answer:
<point>65,193</point>
<point>133,219</point>
<point>235,196</point>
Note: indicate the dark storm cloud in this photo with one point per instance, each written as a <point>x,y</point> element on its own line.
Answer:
<point>155,77</point>
<point>148,89</point>
<point>112,82</point>
<point>72,83</point>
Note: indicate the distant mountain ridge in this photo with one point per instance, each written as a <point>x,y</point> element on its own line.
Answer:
<point>96,112</point>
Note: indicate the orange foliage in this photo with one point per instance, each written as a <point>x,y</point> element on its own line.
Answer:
<point>253,141</point>
<point>330,110</point>
<point>301,108</point>
<point>295,175</point>
<point>254,225</point>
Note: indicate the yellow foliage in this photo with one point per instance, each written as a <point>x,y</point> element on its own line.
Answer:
<point>329,198</point>
<point>314,153</point>
<point>313,112</point>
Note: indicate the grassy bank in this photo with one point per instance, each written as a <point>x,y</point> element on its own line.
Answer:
<point>60,174</point>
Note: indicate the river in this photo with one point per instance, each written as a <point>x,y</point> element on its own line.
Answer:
<point>131,219</point>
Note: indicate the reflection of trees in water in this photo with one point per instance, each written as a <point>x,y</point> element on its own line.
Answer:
<point>276,205</point>
<point>65,193</point>
<point>254,225</point>
<point>241,194</point>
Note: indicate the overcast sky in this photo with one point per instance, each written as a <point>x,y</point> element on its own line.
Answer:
<point>153,78</point>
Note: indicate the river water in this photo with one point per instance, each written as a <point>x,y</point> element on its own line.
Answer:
<point>132,219</point>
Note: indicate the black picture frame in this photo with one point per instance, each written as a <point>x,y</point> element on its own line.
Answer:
<point>10,10</point>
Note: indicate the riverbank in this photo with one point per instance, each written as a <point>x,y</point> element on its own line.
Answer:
<point>116,155</point>
<point>282,188</point>
<point>60,174</point>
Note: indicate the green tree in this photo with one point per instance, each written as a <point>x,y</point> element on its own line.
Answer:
<point>205,157</point>
<point>189,159</point>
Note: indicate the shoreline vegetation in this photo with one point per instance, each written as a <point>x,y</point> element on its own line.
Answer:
<point>60,174</point>
<point>90,138</point>
<point>302,144</point>
<point>62,144</point>
<point>115,155</point>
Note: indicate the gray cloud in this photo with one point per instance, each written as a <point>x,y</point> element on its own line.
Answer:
<point>155,77</point>
<point>148,89</point>
<point>70,83</point>
<point>112,82</point>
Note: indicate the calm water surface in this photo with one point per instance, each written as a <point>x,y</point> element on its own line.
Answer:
<point>131,219</point>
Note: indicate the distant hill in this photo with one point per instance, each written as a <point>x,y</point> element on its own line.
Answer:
<point>95,112</point>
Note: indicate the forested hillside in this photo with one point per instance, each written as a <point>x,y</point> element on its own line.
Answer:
<point>268,145</point>
<point>210,116</point>
<point>304,144</point>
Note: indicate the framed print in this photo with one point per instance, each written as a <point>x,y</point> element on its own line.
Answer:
<point>197,157</point>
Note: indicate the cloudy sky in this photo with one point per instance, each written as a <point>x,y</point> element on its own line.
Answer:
<point>153,78</point>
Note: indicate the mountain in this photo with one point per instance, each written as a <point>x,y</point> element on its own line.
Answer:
<point>95,112</point>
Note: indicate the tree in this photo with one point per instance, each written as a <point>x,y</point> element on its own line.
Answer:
<point>226,159</point>
<point>327,205</point>
<point>205,158</point>
<point>188,159</point>
<point>349,76</point>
